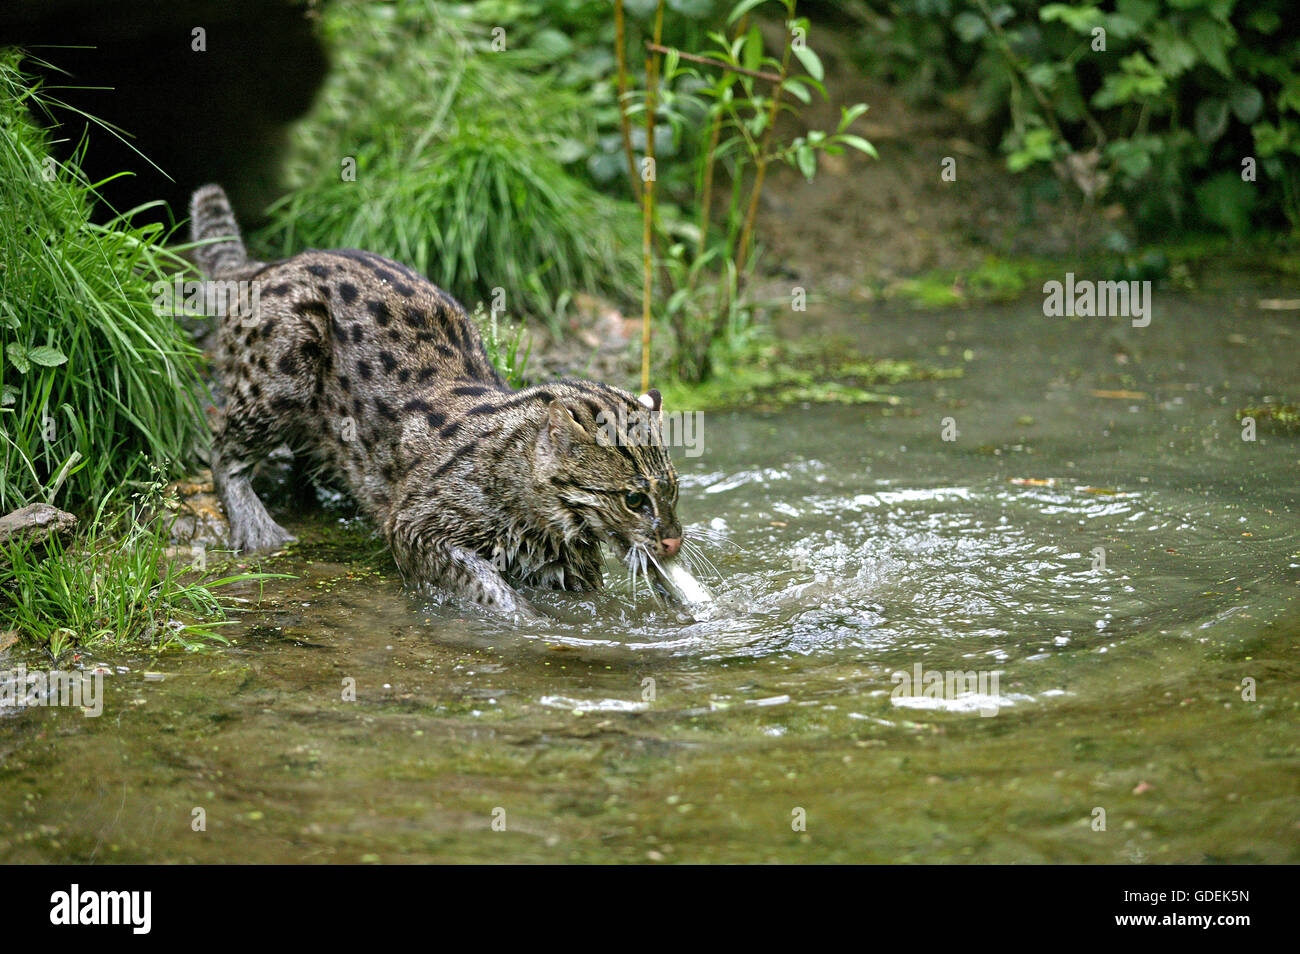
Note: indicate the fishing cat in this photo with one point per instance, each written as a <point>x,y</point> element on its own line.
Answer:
<point>380,377</point>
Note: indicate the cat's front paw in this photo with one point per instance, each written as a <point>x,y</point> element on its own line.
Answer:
<point>255,537</point>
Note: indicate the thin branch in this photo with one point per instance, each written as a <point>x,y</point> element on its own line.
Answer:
<point>621,49</point>
<point>706,189</point>
<point>648,205</point>
<point>763,158</point>
<point>709,61</point>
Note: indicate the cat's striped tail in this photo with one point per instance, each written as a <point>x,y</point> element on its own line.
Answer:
<point>212,218</point>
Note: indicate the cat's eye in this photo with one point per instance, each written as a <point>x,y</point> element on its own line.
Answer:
<point>634,500</point>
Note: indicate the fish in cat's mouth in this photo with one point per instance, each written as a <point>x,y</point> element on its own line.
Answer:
<point>667,576</point>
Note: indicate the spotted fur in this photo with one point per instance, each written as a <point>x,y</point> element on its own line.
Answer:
<point>379,375</point>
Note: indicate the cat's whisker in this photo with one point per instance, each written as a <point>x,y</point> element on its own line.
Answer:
<point>657,564</point>
<point>715,537</point>
<point>643,553</point>
<point>694,552</point>
<point>632,563</point>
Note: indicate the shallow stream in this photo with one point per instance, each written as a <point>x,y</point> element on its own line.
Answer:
<point>1096,545</point>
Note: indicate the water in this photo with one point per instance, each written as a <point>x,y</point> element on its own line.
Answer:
<point>853,546</point>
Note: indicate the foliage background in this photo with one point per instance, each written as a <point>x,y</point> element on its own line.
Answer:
<point>1161,119</point>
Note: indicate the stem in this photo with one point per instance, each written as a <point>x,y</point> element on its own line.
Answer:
<point>760,170</point>
<point>621,49</point>
<point>648,203</point>
<point>710,61</point>
<point>706,190</point>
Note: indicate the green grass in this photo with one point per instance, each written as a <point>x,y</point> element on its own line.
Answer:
<point>115,585</point>
<point>459,170</point>
<point>96,388</point>
<point>90,377</point>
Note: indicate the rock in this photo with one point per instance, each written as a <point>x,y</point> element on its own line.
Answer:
<point>34,524</point>
<point>198,520</point>
<point>601,326</point>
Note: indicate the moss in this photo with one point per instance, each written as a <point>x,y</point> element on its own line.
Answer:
<point>999,279</point>
<point>1282,417</point>
<point>779,374</point>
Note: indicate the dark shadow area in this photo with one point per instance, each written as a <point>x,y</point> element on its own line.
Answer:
<point>202,106</point>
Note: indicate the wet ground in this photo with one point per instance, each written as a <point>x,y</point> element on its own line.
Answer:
<point>1097,546</point>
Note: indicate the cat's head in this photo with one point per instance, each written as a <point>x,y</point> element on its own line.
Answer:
<point>600,460</point>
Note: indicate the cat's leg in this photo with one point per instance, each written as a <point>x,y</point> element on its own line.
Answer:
<point>241,440</point>
<point>471,576</point>
<point>458,570</point>
<point>273,359</point>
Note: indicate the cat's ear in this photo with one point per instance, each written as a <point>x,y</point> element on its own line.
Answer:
<point>653,403</point>
<point>561,431</point>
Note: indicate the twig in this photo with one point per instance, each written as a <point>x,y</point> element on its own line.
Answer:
<point>648,205</point>
<point>706,188</point>
<point>709,61</point>
<point>746,233</point>
<point>620,47</point>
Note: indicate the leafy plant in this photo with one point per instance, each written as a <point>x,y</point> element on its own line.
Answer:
<point>1188,111</point>
<point>115,584</point>
<point>508,345</point>
<point>92,378</point>
<point>730,98</point>
<point>438,142</point>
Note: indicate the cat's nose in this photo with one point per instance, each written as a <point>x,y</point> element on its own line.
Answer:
<point>672,545</point>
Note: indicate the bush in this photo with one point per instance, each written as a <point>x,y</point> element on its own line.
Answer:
<point>429,145</point>
<point>92,380</point>
<point>1186,110</point>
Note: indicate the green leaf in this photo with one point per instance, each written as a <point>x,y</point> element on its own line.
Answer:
<point>1134,158</point>
<point>1139,11</point>
<point>858,143</point>
<point>640,8</point>
<point>1247,103</point>
<point>752,54</point>
<point>1264,21</point>
<point>1078,19</point>
<point>1121,26</point>
<point>1038,145</point>
<point>1172,52</point>
<point>740,9</point>
<point>796,89</point>
<point>969,27</point>
<point>47,357</point>
<point>1042,75</point>
<point>1212,41</point>
<point>1227,202</point>
<point>1138,79</point>
<point>695,9</point>
<point>809,60</point>
<point>806,159</point>
<point>551,43</point>
<point>1211,119</point>
<point>17,356</point>
<point>847,115</point>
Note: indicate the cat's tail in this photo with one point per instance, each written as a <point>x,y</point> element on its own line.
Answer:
<point>212,218</point>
